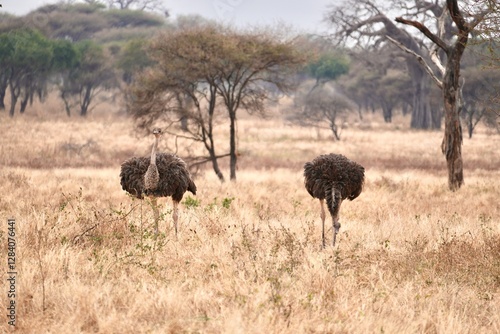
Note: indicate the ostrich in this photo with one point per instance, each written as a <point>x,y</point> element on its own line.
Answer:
<point>160,175</point>
<point>333,177</point>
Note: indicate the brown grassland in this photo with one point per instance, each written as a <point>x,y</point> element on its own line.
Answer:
<point>411,256</point>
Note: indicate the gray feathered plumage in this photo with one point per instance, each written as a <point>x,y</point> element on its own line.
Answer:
<point>174,180</point>
<point>334,178</point>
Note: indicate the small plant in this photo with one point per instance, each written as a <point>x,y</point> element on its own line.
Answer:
<point>190,202</point>
<point>211,206</point>
<point>226,202</point>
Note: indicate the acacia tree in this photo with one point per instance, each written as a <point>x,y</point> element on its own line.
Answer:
<point>315,104</point>
<point>449,65</point>
<point>248,64</point>
<point>328,67</point>
<point>143,5</point>
<point>323,104</point>
<point>206,70</point>
<point>91,74</point>
<point>25,58</point>
<point>178,86</point>
<point>480,93</point>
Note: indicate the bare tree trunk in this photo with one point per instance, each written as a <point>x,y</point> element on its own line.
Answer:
<point>232,146</point>
<point>215,164</point>
<point>386,111</point>
<point>208,140</point>
<point>14,95</point>
<point>421,116</point>
<point>87,99</point>
<point>3,90</point>
<point>452,141</point>
<point>67,105</point>
<point>24,103</point>
<point>335,131</point>
<point>13,102</point>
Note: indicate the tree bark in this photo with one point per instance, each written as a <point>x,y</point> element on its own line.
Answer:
<point>208,134</point>
<point>386,110</point>
<point>208,140</point>
<point>232,146</point>
<point>452,141</point>
<point>24,103</point>
<point>14,95</point>
<point>13,102</point>
<point>67,105</point>
<point>215,164</point>
<point>87,99</point>
<point>3,89</point>
<point>422,116</point>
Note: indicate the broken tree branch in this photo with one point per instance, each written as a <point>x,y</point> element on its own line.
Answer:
<point>420,59</point>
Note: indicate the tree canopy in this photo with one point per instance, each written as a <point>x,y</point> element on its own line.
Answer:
<point>329,66</point>
<point>26,59</point>
<point>221,67</point>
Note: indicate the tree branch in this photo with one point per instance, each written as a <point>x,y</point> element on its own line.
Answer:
<point>438,41</point>
<point>455,14</point>
<point>420,59</point>
<point>357,26</point>
<point>441,20</point>
<point>435,59</point>
<point>197,161</point>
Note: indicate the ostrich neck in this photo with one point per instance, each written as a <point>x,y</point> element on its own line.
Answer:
<point>153,151</point>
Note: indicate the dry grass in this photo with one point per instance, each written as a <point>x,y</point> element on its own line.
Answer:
<point>412,257</point>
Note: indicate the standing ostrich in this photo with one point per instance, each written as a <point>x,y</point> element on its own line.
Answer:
<point>333,177</point>
<point>160,175</point>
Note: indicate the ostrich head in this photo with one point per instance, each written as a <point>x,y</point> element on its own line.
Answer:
<point>157,132</point>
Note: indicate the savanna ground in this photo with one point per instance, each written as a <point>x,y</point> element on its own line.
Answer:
<point>411,256</point>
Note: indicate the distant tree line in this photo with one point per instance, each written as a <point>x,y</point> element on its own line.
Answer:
<point>372,81</point>
<point>78,51</point>
<point>84,49</point>
<point>191,72</point>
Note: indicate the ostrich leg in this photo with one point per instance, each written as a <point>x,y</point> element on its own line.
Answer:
<point>335,218</point>
<point>322,202</point>
<point>175,215</point>
<point>336,228</point>
<point>333,200</point>
<point>156,213</point>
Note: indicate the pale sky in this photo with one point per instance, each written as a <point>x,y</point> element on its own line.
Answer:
<point>303,15</point>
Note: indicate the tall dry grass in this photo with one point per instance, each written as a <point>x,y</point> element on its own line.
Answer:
<point>412,257</point>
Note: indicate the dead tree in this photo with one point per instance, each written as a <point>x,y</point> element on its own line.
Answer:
<point>448,78</point>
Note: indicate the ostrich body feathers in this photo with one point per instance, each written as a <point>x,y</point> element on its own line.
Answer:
<point>335,178</point>
<point>333,171</point>
<point>152,177</point>
<point>174,177</point>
